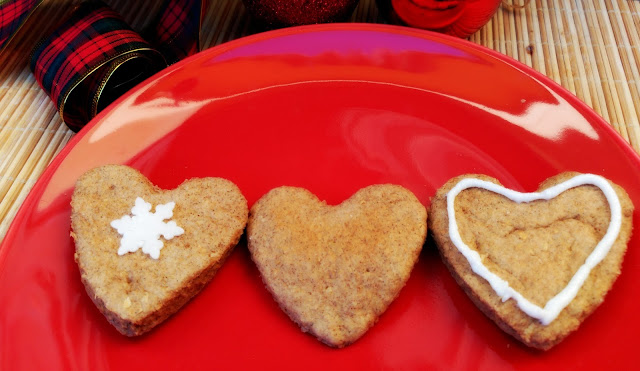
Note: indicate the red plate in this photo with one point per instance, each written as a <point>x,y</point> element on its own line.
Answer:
<point>332,108</point>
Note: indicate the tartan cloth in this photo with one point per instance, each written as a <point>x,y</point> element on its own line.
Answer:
<point>176,31</point>
<point>12,15</point>
<point>79,54</point>
<point>94,55</point>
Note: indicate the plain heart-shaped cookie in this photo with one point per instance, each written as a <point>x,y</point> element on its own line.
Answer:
<point>134,291</point>
<point>535,248</point>
<point>335,269</point>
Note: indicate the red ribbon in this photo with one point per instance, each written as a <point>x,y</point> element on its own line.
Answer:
<point>94,56</point>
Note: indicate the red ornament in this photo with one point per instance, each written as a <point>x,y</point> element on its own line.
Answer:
<point>454,17</point>
<point>278,13</point>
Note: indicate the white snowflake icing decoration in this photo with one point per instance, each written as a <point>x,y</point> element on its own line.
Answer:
<point>144,228</point>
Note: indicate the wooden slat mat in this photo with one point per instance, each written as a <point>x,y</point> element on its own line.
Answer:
<point>591,47</point>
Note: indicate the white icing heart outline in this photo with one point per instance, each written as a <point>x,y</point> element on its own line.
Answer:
<point>555,305</point>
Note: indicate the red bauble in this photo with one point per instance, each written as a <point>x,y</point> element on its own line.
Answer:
<point>278,13</point>
<point>454,17</point>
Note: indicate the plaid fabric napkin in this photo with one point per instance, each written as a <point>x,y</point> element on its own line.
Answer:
<point>94,56</point>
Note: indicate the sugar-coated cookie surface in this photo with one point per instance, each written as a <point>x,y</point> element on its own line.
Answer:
<point>335,269</point>
<point>134,291</point>
<point>536,247</point>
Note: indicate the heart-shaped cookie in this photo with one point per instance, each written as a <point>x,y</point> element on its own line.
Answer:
<point>535,263</point>
<point>335,269</point>
<point>138,290</point>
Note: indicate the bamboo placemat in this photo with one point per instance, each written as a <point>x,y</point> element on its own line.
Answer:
<point>590,47</point>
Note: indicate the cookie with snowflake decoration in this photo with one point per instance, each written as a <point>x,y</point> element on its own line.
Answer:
<point>144,252</point>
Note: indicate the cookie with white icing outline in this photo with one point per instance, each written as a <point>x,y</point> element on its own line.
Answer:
<point>534,248</point>
<point>335,269</point>
<point>133,290</point>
